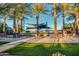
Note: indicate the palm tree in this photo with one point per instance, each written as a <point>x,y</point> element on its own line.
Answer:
<point>70,18</point>
<point>75,12</point>
<point>18,13</point>
<point>55,19</point>
<point>38,9</point>
<point>55,12</point>
<point>1,27</point>
<point>4,12</point>
<point>64,7</point>
<point>24,10</point>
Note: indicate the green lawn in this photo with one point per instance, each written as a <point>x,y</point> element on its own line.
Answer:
<point>1,42</point>
<point>29,49</point>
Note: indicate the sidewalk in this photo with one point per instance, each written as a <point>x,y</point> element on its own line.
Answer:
<point>56,40</point>
<point>7,46</point>
<point>12,39</point>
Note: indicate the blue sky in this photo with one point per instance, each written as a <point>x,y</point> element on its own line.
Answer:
<point>43,18</point>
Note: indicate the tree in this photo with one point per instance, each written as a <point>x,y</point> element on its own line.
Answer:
<point>55,18</point>
<point>70,18</point>
<point>75,12</point>
<point>55,12</point>
<point>4,12</point>
<point>1,26</point>
<point>64,7</point>
<point>18,12</point>
<point>23,11</point>
<point>37,10</point>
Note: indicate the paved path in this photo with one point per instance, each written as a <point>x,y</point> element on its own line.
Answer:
<point>7,46</point>
<point>56,40</point>
<point>12,39</point>
<point>40,40</point>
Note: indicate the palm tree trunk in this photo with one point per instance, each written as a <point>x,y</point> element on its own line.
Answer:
<point>46,29</point>
<point>63,20</point>
<point>55,20</point>
<point>21,25</point>
<point>71,25</point>
<point>37,25</point>
<point>76,23</point>
<point>17,28</point>
<point>4,26</point>
<point>14,25</point>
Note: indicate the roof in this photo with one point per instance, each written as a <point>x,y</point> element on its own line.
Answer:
<point>40,26</point>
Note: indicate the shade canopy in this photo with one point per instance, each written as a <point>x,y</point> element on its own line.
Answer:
<point>40,26</point>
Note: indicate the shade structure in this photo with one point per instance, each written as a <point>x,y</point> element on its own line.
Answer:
<point>40,26</point>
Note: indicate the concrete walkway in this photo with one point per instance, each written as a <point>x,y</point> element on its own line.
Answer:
<point>56,40</point>
<point>40,40</point>
<point>7,46</point>
<point>13,39</point>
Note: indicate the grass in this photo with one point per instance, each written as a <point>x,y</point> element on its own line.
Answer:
<point>1,42</point>
<point>31,49</point>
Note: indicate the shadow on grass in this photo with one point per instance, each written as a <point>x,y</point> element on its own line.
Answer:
<point>56,49</point>
<point>2,42</point>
